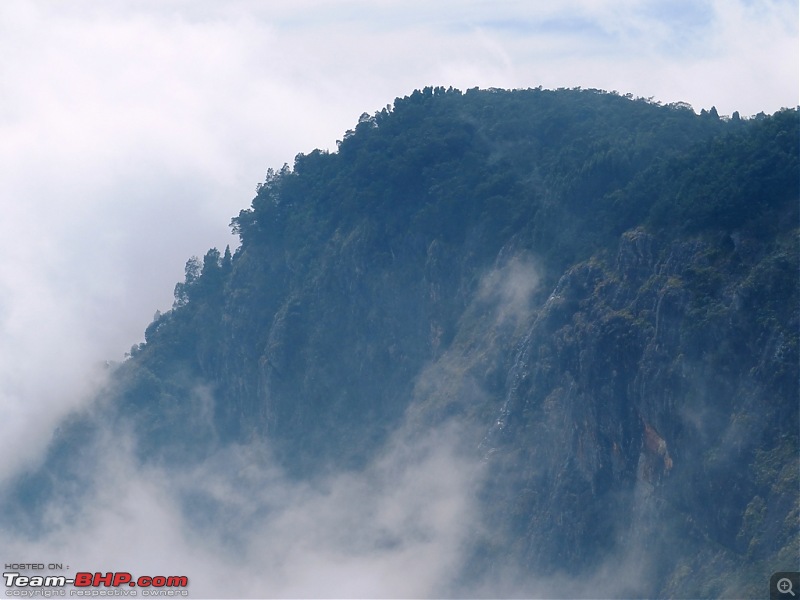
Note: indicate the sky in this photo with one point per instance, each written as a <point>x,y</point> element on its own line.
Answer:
<point>131,132</point>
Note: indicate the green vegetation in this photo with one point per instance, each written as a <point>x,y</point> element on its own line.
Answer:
<point>604,287</point>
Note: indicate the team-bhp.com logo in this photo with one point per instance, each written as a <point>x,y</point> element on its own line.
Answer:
<point>89,584</point>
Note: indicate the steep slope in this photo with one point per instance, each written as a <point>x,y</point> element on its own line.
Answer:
<point>355,266</point>
<point>603,289</point>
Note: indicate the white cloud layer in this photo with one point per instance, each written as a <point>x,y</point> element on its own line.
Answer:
<point>236,527</point>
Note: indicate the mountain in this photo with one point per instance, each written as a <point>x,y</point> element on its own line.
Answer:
<point>601,292</point>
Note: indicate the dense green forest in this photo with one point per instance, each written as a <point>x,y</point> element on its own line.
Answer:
<point>605,288</point>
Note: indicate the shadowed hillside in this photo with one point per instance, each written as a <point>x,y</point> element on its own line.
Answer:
<point>599,291</point>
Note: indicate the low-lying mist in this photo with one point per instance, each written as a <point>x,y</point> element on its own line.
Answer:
<point>237,526</point>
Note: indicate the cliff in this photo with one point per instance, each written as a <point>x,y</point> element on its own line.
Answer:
<point>603,291</point>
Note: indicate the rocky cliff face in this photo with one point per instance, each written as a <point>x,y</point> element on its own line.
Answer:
<point>601,292</point>
<point>638,415</point>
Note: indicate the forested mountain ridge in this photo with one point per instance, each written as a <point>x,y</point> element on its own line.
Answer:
<point>603,288</point>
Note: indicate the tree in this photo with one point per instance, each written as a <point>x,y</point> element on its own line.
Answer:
<point>192,274</point>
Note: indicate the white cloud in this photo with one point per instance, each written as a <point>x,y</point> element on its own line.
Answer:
<point>509,289</point>
<point>238,528</point>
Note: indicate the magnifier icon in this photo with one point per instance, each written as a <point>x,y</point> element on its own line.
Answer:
<point>785,586</point>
